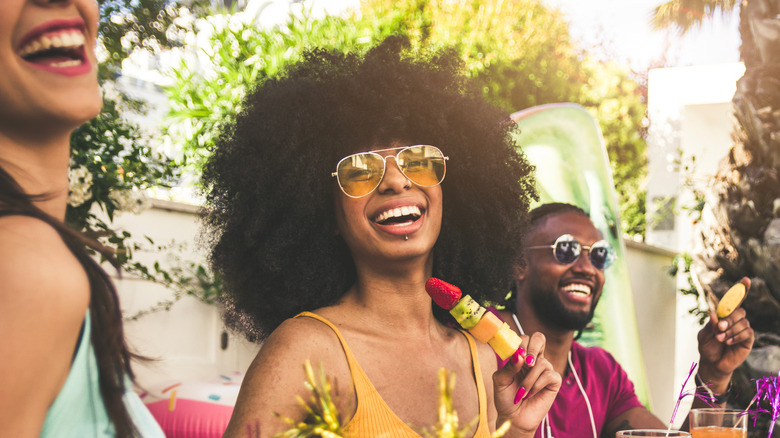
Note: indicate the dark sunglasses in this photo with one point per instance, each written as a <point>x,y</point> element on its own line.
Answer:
<point>567,250</point>
<point>360,174</point>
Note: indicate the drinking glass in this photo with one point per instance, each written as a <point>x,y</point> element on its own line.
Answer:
<point>651,432</point>
<point>718,423</point>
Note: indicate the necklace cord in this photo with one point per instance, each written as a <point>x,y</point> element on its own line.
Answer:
<point>546,420</point>
<point>584,394</point>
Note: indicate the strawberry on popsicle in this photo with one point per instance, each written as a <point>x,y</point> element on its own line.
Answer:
<point>483,325</point>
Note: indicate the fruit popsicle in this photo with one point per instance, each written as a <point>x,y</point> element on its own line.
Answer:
<point>482,324</point>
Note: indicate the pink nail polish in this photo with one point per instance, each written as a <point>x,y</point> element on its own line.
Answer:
<point>519,395</point>
<point>517,354</point>
<point>530,360</point>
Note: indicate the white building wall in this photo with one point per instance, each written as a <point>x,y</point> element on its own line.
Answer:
<point>185,342</point>
<point>691,123</point>
<point>654,292</point>
<point>690,115</point>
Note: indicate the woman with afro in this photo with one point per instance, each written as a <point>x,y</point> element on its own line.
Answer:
<point>328,209</point>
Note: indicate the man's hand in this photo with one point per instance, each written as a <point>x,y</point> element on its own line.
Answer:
<point>723,346</point>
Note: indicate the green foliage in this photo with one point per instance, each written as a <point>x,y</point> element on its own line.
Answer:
<point>122,164</point>
<point>618,102</point>
<point>113,163</point>
<point>681,265</point>
<point>152,24</point>
<point>120,159</point>
<point>243,55</point>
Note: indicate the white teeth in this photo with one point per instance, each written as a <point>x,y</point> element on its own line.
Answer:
<point>398,212</point>
<point>70,63</point>
<point>577,288</point>
<point>31,48</point>
<point>71,39</point>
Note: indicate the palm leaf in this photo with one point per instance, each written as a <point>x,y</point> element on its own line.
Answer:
<point>685,15</point>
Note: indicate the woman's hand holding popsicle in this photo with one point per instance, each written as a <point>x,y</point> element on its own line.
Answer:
<point>525,388</point>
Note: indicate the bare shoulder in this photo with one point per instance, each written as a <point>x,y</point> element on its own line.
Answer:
<point>303,338</point>
<point>302,332</point>
<point>276,377</point>
<point>37,266</point>
<point>44,295</point>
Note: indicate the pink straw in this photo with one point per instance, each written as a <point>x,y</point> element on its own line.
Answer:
<point>768,388</point>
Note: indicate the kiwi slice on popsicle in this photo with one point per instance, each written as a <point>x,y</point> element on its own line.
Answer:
<point>733,298</point>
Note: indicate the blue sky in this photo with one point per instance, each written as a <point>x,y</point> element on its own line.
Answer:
<point>623,24</point>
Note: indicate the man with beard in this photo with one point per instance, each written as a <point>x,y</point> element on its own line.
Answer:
<point>556,294</point>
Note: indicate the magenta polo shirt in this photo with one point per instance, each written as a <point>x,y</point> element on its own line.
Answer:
<point>607,385</point>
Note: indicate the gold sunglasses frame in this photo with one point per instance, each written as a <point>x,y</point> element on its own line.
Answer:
<point>384,168</point>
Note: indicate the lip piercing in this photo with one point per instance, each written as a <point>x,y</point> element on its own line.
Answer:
<point>406,237</point>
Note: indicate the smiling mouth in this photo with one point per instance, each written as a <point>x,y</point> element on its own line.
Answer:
<point>59,48</point>
<point>399,216</point>
<point>577,289</point>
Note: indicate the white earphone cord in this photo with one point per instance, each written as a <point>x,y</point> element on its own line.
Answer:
<point>546,421</point>
<point>584,394</point>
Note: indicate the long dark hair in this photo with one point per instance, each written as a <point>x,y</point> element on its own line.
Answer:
<point>113,356</point>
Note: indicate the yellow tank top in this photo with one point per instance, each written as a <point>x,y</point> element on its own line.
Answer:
<point>373,418</point>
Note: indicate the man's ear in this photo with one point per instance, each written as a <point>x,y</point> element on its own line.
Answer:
<point>519,271</point>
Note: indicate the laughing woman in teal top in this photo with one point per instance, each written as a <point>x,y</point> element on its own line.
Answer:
<point>64,367</point>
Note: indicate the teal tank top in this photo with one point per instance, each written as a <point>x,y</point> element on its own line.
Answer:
<point>78,410</point>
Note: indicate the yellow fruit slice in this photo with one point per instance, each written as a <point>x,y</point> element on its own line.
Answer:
<point>733,298</point>
<point>505,342</point>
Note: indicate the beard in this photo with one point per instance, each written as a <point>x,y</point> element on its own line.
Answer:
<point>551,310</point>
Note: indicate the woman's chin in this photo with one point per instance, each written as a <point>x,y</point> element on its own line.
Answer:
<point>79,111</point>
